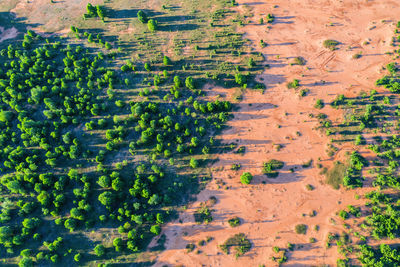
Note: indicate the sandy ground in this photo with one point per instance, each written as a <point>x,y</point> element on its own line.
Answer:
<point>44,16</point>
<point>270,211</point>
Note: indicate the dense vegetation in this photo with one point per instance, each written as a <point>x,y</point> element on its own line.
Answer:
<point>95,154</point>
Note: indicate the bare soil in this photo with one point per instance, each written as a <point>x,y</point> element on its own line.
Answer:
<point>270,208</point>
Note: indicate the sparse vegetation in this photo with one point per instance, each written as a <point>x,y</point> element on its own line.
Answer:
<point>330,44</point>
<point>238,242</point>
<point>234,222</point>
<point>270,168</point>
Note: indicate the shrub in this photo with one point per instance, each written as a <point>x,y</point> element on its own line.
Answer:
<point>142,17</point>
<point>246,178</point>
<point>319,104</point>
<point>343,214</point>
<point>203,214</point>
<point>190,247</point>
<point>99,250</point>
<point>299,61</point>
<point>330,44</point>
<point>270,18</point>
<point>239,242</point>
<point>233,222</point>
<point>294,84</point>
<point>301,229</point>
<point>152,25</point>
<point>240,79</point>
<point>270,167</point>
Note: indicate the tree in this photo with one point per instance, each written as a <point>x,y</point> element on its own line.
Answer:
<point>118,243</point>
<point>189,83</point>
<point>155,229</point>
<point>106,198</point>
<point>152,25</point>
<point>246,178</point>
<point>240,79</point>
<point>99,250</point>
<point>25,262</point>
<point>77,257</point>
<point>194,163</point>
<point>104,181</point>
<point>166,61</point>
<point>142,17</point>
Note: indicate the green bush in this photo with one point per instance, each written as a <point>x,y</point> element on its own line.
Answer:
<point>246,178</point>
<point>301,229</point>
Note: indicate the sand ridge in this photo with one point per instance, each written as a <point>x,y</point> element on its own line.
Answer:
<point>270,211</point>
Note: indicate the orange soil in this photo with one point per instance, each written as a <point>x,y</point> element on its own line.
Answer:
<point>269,212</point>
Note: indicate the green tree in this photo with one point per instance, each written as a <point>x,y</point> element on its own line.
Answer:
<point>166,61</point>
<point>142,17</point>
<point>152,25</point>
<point>106,198</point>
<point>246,178</point>
<point>99,250</point>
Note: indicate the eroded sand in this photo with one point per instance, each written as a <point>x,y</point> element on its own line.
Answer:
<point>270,211</point>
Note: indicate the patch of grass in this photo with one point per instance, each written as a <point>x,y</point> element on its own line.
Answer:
<point>334,176</point>
<point>330,44</point>
<point>239,243</point>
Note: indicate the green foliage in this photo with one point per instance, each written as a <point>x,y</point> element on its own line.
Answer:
<point>301,229</point>
<point>99,250</point>
<point>294,84</point>
<point>270,168</point>
<point>330,44</point>
<point>239,243</point>
<point>234,222</point>
<point>142,17</point>
<point>246,178</point>
<point>203,214</point>
<point>319,104</point>
<point>152,25</point>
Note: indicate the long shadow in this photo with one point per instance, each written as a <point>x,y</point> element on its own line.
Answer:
<point>284,20</point>
<point>169,19</point>
<point>179,27</point>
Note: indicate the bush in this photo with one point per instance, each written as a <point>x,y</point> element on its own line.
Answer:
<point>239,242</point>
<point>330,44</point>
<point>99,250</point>
<point>152,25</point>
<point>301,229</point>
<point>343,214</point>
<point>270,167</point>
<point>294,84</point>
<point>142,17</point>
<point>233,222</point>
<point>246,178</point>
<point>319,104</point>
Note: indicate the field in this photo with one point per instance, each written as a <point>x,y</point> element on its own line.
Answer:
<point>204,132</point>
